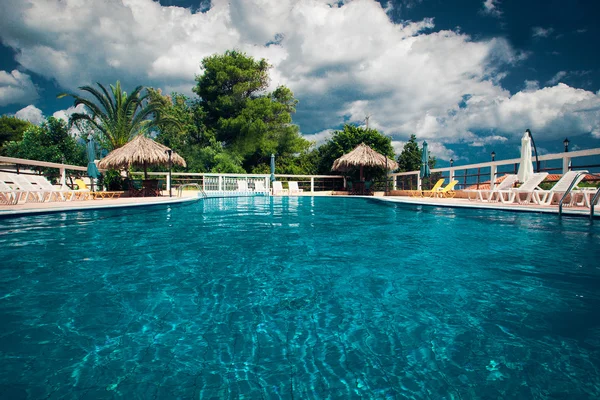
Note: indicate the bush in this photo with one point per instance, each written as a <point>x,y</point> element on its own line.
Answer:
<point>113,180</point>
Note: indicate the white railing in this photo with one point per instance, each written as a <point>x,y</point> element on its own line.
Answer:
<point>312,183</point>
<point>63,168</point>
<point>213,182</point>
<point>566,158</point>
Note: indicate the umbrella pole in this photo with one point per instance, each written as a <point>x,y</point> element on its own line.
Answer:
<point>145,171</point>
<point>361,173</point>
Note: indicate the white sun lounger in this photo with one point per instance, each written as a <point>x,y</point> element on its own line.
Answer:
<point>526,189</point>
<point>9,195</point>
<point>293,187</point>
<point>44,184</point>
<point>242,186</point>
<point>490,195</point>
<point>547,197</point>
<point>278,189</point>
<point>18,183</point>
<point>25,184</point>
<point>259,187</point>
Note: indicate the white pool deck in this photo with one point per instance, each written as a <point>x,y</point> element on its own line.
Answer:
<point>465,203</point>
<point>83,205</point>
<point>52,207</point>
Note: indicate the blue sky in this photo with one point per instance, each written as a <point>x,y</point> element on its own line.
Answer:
<point>468,76</point>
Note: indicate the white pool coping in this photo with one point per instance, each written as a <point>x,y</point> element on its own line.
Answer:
<point>87,205</point>
<point>57,207</point>
<point>472,204</point>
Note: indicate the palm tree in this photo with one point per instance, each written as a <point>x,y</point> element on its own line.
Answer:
<point>118,116</point>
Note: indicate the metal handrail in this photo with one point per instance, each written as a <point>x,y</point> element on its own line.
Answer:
<point>180,189</point>
<point>567,192</point>
<point>594,200</point>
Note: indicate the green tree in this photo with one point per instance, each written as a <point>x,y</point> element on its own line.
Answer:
<point>346,140</point>
<point>189,136</point>
<point>12,129</point>
<point>189,129</point>
<point>228,81</point>
<point>115,114</point>
<point>50,142</point>
<point>248,122</point>
<point>410,158</point>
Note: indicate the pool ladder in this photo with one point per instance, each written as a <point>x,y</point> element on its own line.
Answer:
<point>592,202</point>
<point>196,185</point>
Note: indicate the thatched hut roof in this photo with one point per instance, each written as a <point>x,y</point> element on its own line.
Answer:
<point>140,151</point>
<point>363,156</point>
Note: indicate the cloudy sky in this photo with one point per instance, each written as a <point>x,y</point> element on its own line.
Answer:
<point>468,76</point>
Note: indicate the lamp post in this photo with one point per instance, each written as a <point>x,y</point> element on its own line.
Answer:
<point>451,162</point>
<point>386,175</point>
<point>169,153</point>
<point>566,143</point>
<point>493,155</point>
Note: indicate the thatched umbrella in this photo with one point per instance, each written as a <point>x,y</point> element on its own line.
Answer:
<point>363,156</point>
<point>140,151</point>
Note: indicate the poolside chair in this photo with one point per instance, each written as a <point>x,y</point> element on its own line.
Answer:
<point>293,187</point>
<point>446,192</point>
<point>489,195</point>
<point>259,186</point>
<point>60,194</point>
<point>546,197</point>
<point>435,188</point>
<point>242,186</point>
<point>9,195</point>
<point>35,194</point>
<point>527,189</point>
<point>278,189</point>
<point>82,192</point>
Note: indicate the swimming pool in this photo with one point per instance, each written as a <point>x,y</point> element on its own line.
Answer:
<point>299,297</point>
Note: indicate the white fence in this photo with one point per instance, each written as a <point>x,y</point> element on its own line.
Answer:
<point>575,160</point>
<point>224,183</point>
<point>229,183</point>
<point>62,168</point>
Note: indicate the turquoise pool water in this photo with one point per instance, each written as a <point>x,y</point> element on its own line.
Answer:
<point>299,298</point>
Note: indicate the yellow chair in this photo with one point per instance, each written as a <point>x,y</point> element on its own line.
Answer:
<point>446,192</point>
<point>82,192</point>
<point>86,194</point>
<point>81,184</point>
<point>427,193</point>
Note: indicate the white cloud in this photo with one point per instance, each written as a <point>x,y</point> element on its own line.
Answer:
<point>30,113</point>
<point>66,114</point>
<point>539,32</point>
<point>550,112</point>
<point>320,137</point>
<point>441,152</point>
<point>342,62</point>
<point>491,7</point>
<point>79,128</point>
<point>16,88</point>
<point>531,86</point>
<point>556,78</point>
<point>398,146</point>
<point>481,141</point>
